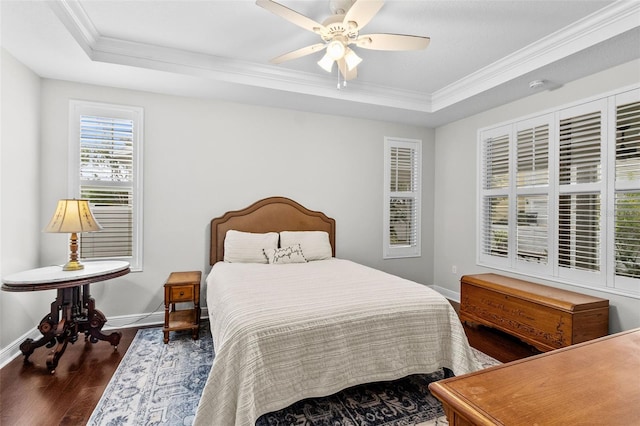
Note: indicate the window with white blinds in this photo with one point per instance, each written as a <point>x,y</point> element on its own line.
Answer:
<point>106,147</point>
<point>627,192</point>
<point>559,194</point>
<point>532,193</point>
<point>494,229</point>
<point>581,142</point>
<point>402,176</point>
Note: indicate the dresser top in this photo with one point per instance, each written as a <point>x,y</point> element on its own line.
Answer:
<point>594,381</point>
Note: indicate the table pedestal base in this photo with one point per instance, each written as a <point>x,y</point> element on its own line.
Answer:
<point>72,312</point>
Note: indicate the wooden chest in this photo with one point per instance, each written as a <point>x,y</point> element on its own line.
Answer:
<point>545,317</point>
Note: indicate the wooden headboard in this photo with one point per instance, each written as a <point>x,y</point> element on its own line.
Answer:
<point>272,214</point>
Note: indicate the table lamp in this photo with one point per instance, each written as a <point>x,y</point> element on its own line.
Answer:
<point>73,216</point>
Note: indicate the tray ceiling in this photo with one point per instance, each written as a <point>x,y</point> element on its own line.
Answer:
<point>482,53</point>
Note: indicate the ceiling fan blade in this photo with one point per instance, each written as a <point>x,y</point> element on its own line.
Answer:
<point>290,15</point>
<point>362,11</point>
<point>348,74</point>
<point>392,42</point>
<point>298,53</point>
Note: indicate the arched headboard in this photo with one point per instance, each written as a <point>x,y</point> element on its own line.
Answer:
<point>273,214</point>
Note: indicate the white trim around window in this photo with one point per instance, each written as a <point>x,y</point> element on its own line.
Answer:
<point>402,197</point>
<point>559,194</point>
<point>105,166</point>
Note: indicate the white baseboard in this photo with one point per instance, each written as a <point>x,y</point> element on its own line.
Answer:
<point>449,294</point>
<point>11,351</point>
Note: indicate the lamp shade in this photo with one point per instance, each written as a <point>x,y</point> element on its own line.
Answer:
<point>336,49</point>
<point>73,216</point>
<point>352,59</point>
<point>326,63</point>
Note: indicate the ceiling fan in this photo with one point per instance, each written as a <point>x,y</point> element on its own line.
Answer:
<point>341,30</point>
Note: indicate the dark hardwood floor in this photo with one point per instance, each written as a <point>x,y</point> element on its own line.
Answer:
<point>30,395</point>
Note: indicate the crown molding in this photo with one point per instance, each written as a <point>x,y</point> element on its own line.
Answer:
<point>77,22</point>
<point>159,58</point>
<point>600,26</point>
<point>124,52</point>
<point>606,23</point>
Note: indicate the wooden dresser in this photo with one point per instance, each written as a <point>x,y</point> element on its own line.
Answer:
<point>592,383</point>
<point>545,317</point>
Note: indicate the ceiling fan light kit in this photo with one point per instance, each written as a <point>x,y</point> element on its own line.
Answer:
<point>326,63</point>
<point>352,59</point>
<point>336,49</point>
<point>341,30</point>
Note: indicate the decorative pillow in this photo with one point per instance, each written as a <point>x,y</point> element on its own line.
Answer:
<point>291,254</point>
<point>315,244</point>
<point>247,247</point>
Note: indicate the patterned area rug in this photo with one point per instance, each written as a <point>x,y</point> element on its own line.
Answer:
<point>157,383</point>
<point>161,384</point>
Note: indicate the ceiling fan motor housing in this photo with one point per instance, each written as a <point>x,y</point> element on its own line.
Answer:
<point>334,26</point>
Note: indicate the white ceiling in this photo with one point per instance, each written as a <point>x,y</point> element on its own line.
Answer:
<point>482,53</point>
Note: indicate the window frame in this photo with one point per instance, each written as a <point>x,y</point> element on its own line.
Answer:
<point>605,279</point>
<point>614,186</point>
<point>402,251</point>
<point>78,108</point>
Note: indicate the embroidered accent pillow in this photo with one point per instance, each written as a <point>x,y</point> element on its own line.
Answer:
<point>291,254</point>
<point>315,244</point>
<point>247,247</point>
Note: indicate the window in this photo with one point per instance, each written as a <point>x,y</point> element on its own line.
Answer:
<point>495,201</point>
<point>559,194</point>
<point>402,182</point>
<point>106,168</point>
<point>626,190</point>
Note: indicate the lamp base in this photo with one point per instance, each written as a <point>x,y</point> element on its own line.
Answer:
<point>73,265</point>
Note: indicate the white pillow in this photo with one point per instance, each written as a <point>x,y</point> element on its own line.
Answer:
<point>315,244</point>
<point>291,254</point>
<point>247,247</point>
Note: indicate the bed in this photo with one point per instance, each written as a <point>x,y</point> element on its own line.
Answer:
<point>312,327</point>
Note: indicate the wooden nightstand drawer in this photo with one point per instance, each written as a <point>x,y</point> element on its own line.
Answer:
<point>181,294</point>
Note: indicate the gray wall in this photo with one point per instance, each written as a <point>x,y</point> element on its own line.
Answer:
<point>205,157</point>
<point>456,185</point>
<point>20,225</point>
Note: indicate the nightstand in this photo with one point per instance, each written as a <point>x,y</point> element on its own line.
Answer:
<point>182,287</point>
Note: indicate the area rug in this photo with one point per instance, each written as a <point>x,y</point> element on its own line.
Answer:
<point>159,383</point>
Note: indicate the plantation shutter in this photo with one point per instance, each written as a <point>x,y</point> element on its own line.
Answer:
<point>494,221</point>
<point>558,194</point>
<point>627,195</point>
<point>402,227</point>
<point>404,171</point>
<point>579,231</point>
<point>579,200</point>
<point>628,143</point>
<point>495,227</point>
<point>532,187</point>
<point>496,162</point>
<point>106,180</point>
<point>533,157</point>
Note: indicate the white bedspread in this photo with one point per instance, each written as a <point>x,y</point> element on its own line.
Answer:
<point>283,333</point>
